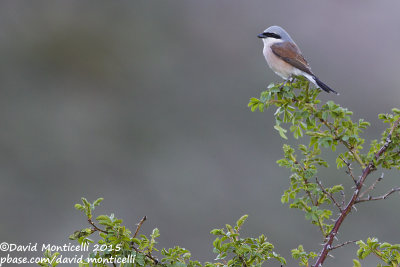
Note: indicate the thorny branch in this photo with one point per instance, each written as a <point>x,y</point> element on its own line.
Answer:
<point>366,171</point>
<point>343,244</point>
<point>372,186</point>
<point>95,227</point>
<point>369,198</point>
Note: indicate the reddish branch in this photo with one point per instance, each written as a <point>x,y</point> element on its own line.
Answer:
<point>343,244</point>
<point>148,255</point>
<point>95,228</point>
<point>369,198</point>
<point>367,170</point>
<point>372,187</point>
<point>139,225</point>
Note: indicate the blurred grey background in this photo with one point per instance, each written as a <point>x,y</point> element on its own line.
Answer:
<point>144,103</point>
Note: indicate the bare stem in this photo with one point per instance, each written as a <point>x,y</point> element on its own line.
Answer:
<point>369,198</point>
<point>95,227</point>
<point>372,187</point>
<point>343,244</point>
<point>139,225</point>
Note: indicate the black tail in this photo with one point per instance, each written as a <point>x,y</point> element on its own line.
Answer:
<point>324,86</point>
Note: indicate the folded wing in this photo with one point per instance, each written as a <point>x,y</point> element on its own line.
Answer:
<point>291,54</point>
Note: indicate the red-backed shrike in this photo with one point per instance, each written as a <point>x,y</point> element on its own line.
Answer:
<point>285,58</point>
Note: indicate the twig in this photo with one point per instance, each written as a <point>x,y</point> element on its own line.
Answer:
<point>369,198</point>
<point>343,244</point>
<point>139,225</point>
<point>328,194</point>
<point>349,169</point>
<point>372,186</point>
<point>366,171</point>
<point>95,227</point>
<point>148,255</point>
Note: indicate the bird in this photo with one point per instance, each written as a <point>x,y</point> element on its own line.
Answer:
<point>285,59</point>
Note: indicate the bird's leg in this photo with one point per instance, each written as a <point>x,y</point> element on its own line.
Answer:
<point>290,79</point>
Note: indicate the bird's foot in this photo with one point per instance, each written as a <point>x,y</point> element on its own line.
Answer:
<point>288,80</point>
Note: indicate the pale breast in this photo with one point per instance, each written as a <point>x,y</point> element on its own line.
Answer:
<point>279,66</point>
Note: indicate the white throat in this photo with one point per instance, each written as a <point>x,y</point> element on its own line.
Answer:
<point>270,41</point>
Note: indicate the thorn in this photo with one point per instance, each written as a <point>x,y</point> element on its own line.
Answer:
<point>354,207</point>
<point>336,238</point>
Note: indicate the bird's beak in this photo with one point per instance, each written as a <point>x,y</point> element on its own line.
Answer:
<point>262,35</point>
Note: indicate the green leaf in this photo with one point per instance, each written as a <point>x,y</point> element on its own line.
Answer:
<point>155,233</point>
<point>356,263</point>
<point>217,232</point>
<point>281,131</point>
<point>79,207</point>
<point>139,259</point>
<point>242,219</point>
<point>285,198</point>
<point>396,111</point>
<point>97,201</point>
<point>336,188</point>
<point>103,217</point>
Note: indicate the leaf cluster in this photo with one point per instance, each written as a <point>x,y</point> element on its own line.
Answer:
<point>233,250</point>
<point>119,242</point>
<point>388,253</point>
